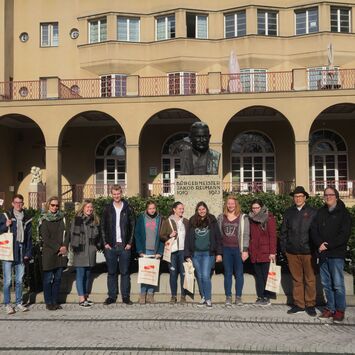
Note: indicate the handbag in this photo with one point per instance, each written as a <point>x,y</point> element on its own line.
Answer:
<point>273,278</point>
<point>7,244</point>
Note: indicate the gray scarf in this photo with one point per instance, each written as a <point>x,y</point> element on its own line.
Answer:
<point>20,235</point>
<point>261,217</point>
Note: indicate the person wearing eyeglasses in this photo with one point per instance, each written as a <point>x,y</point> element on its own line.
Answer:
<point>295,242</point>
<point>20,225</point>
<point>331,231</point>
<point>52,229</point>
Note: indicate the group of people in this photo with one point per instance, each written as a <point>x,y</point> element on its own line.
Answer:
<point>230,238</point>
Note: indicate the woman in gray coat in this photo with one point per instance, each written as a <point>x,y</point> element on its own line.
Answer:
<point>84,236</point>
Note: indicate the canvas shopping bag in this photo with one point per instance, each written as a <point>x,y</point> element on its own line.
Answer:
<point>189,279</point>
<point>6,245</point>
<point>170,246</point>
<point>148,270</point>
<point>274,278</point>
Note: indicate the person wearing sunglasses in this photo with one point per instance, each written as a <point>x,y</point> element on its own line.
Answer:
<point>52,229</point>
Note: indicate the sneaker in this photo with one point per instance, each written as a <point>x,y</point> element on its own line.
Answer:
<point>259,301</point>
<point>326,314</point>
<point>183,300</point>
<point>265,302</point>
<point>84,304</point>
<point>295,310</point>
<point>311,311</point>
<point>173,300</point>
<point>109,300</point>
<point>202,302</point>
<point>127,301</point>
<point>21,308</point>
<point>228,301</point>
<point>89,301</point>
<point>9,309</point>
<point>238,301</point>
<point>338,316</point>
<point>209,304</point>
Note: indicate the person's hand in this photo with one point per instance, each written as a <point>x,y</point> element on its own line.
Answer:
<point>107,246</point>
<point>218,258</point>
<point>245,255</point>
<point>323,247</point>
<point>189,260</point>
<point>173,234</point>
<point>157,256</point>
<point>26,258</point>
<point>62,250</point>
<point>8,222</point>
<point>272,257</point>
<point>141,255</point>
<point>128,247</point>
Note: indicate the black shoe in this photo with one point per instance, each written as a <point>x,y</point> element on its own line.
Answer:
<point>311,311</point>
<point>127,301</point>
<point>295,309</point>
<point>58,306</point>
<point>109,300</point>
<point>51,307</point>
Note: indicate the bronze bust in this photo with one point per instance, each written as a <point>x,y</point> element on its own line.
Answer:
<point>199,159</point>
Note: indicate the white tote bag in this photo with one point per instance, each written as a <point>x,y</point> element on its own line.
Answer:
<point>170,246</point>
<point>6,245</point>
<point>189,278</point>
<point>274,278</point>
<point>148,270</point>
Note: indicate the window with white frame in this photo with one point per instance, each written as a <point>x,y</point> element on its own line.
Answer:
<point>340,19</point>
<point>113,85</point>
<point>267,22</point>
<point>197,25</point>
<point>128,29</point>
<point>98,30</point>
<point>306,21</point>
<point>49,34</point>
<point>182,83</point>
<point>253,80</point>
<point>235,24</point>
<point>165,27</point>
<point>323,78</point>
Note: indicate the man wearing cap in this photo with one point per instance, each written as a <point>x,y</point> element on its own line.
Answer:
<point>295,242</point>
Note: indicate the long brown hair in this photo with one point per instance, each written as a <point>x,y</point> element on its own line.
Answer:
<point>80,211</point>
<point>196,220</point>
<point>237,205</point>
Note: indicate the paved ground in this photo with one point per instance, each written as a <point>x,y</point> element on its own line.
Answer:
<point>169,329</point>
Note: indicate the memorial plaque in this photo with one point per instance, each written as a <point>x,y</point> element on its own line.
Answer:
<point>191,189</point>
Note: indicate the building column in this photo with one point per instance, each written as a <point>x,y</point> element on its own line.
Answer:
<point>53,171</point>
<point>302,163</point>
<point>133,169</point>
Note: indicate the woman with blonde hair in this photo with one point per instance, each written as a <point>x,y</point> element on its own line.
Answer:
<point>52,229</point>
<point>234,228</point>
<point>84,236</point>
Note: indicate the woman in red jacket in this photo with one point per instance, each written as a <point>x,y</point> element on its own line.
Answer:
<point>262,247</point>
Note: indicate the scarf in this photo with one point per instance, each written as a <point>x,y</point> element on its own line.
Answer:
<point>20,235</point>
<point>52,217</point>
<point>84,226</point>
<point>261,217</point>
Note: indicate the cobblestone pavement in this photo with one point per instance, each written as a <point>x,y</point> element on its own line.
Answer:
<point>169,329</point>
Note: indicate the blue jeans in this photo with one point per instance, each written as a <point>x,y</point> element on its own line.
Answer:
<point>118,259</point>
<point>51,285</point>
<point>145,288</point>
<point>83,280</point>
<point>332,277</point>
<point>176,267</point>
<point>203,263</point>
<point>7,274</point>
<point>233,265</point>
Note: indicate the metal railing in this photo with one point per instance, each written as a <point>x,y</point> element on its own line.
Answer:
<point>345,187</point>
<point>22,90</point>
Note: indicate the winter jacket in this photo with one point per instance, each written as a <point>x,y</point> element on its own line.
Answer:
<point>108,224</point>
<point>242,239</point>
<point>165,229</point>
<point>215,238</point>
<point>54,236</point>
<point>140,236</point>
<point>333,227</point>
<point>24,249</point>
<point>262,241</point>
<point>295,230</point>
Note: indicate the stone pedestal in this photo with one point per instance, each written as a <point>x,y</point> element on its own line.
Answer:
<point>191,189</point>
<point>34,187</point>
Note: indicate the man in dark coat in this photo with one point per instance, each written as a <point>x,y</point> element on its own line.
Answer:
<point>331,230</point>
<point>295,242</point>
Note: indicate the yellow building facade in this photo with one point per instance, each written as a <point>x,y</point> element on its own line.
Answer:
<point>96,93</point>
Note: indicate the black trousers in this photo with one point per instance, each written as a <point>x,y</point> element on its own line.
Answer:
<point>261,272</point>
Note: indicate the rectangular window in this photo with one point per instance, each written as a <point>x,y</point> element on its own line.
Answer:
<point>235,24</point>
<point>197,26</point>
<point>253,80</point>
<point>267,23</point>
<point>182,83</point>
<point>306,21</point>
<point>340,19</point>
<point>113,85</point>
<point>128,29</point>
<point>49,34</point>
<point>165,27</point>
<point>98,30</point>
<point>322,78</point>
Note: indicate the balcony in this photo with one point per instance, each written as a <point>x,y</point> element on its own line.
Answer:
<point>184,85</point>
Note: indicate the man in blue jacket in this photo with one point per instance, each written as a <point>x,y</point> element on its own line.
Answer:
<point>21,227</point>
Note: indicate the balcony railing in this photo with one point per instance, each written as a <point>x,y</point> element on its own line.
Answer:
<point>346,188</point>
<point>36,200</point>
<point>185,84</point>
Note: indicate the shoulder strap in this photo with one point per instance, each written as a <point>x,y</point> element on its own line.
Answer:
<point>241,232</point>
